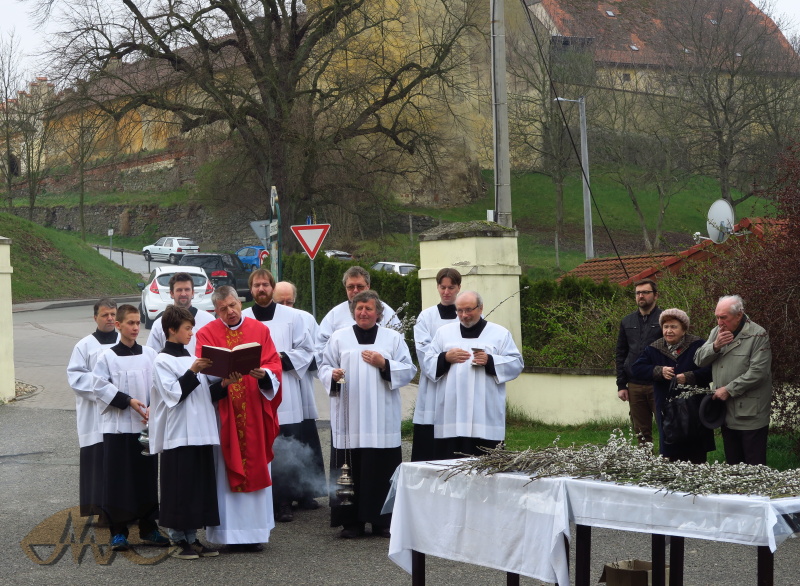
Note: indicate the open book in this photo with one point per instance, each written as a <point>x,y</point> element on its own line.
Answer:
<point>242,359</point>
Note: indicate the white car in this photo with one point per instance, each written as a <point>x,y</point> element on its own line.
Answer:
<point>169,248</point>
<point>399,268</point>
<point>155,293</point>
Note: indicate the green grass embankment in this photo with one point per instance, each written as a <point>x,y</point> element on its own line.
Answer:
<point>52,264</point>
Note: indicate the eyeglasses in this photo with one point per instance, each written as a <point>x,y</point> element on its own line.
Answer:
<point>356,287</point>
<point>466,310</point>
<point>638,293</point>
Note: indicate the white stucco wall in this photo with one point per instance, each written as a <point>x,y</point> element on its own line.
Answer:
<point>567,399</point>
<point>6,323</point>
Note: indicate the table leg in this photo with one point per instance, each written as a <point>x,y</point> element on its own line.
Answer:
<point>659,559</point>
<point>583,555</point>
<point>417,568</point>
<point>512,579</point>
<point>676,545</point>
<point>766,570</point>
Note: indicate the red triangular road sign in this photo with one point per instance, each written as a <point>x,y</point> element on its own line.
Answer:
<point>311,237</point>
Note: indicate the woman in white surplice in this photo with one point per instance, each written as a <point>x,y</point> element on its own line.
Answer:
<point>372,363</point>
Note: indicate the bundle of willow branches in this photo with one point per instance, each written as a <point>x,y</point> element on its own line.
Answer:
<point>623,462</point>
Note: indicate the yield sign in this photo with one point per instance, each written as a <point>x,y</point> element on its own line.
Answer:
<point>311,237</point>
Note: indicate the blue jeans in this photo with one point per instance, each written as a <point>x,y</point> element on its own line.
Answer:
<point>176,535</point>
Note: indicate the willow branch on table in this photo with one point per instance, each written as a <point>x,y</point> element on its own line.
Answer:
<point>623,462</point>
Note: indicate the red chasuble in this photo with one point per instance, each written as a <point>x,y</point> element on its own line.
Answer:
<point>248,420</point>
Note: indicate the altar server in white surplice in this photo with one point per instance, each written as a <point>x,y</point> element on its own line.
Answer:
<point>365,412</point>
<point>90,435</point>
<point>315,484</point>
<point>293,342</point>
<point>181,289</point>
<point>470,361</point>
<point>355,280</point>
<point>448,285</point>
<point>183,429</point>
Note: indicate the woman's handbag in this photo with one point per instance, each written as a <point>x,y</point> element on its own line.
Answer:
<point>680,417</point>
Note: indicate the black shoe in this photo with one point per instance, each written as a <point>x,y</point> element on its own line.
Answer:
<point>352,531</point>
<point>382,532</point>
<point>284,514</point>
<point>251,547</point>
<point>309,504</point>
<point>184,551</point>
<point>203,550</point>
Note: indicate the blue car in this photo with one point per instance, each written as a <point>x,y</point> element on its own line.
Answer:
<point>249,256</point>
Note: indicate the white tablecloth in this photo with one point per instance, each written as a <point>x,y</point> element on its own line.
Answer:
<point>506,522</point>
<point>749,520</point>
<point>502,521</point>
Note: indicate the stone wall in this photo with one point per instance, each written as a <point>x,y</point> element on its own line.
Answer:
<point>227,229</point>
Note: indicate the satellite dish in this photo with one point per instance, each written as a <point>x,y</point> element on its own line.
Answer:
<point>720,221</point>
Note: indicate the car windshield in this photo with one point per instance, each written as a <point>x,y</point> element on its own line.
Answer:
<point>186,242</point>
<point>205,262</point>
<point>197,280</point>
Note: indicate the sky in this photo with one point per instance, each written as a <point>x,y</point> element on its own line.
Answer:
<point>15,16</point>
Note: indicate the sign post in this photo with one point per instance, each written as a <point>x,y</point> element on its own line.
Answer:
<point>310,237</point>
<point>110,241</point>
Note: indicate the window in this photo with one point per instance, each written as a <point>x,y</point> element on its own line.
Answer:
<point>610,13</point>
<point>634,48</point>
<point>626,77</point>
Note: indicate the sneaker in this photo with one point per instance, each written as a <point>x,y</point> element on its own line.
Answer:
<point>154,538</point>
<point>184,551</point>
<point>203,550</point>
<point>120,543</point>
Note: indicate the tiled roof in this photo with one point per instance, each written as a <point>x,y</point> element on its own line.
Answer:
<point>653,28</point>
<point>611,267</point>
<point>651,266</point>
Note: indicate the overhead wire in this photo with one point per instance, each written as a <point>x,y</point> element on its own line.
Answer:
<point>551,83</point>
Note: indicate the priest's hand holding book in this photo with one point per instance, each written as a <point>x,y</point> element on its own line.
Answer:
<point>457,356</point>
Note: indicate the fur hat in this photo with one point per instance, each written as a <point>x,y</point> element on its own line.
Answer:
<point>674,313</point>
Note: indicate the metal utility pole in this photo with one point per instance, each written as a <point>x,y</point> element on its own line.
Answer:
<point>587,194</point>
<point>502,171</point>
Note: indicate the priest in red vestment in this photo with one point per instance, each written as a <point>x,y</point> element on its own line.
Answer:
<point>248,426</point>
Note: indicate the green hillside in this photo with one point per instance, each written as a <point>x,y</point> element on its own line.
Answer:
<point>50,264</point>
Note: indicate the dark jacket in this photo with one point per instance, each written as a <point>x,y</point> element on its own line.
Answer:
<point>631,342</point>
<point>649,365</point>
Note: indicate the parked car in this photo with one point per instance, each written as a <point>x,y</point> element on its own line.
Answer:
<point>222,268</point>
<point>249,256</point>
<point>338,254</point>
<point>400,268</point>
<point>155,293</point>
<point>169,248</point>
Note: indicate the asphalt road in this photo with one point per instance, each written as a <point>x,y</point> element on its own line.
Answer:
<point>41,543</point>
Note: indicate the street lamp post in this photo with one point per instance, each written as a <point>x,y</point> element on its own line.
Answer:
<point>587,198</point>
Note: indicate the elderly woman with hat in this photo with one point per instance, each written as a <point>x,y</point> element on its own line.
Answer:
<point>672,357</point>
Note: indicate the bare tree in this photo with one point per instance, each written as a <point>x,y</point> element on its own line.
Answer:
<point>10,82</point>
<point>32,115</point>
<point>539,138</point>
<point>349,85</point>
<point>736,77</point>
<point>82,132</point>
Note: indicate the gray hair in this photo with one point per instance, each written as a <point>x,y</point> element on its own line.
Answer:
<point>737,303</point>
<point>354,272</point>
<point>222,293</point>
<point>366,296</point>
<point>478,298</point>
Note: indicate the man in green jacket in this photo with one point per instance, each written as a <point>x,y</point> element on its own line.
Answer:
<point>739,351</point>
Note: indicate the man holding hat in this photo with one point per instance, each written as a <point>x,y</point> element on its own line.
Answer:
<point>740,356</point>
